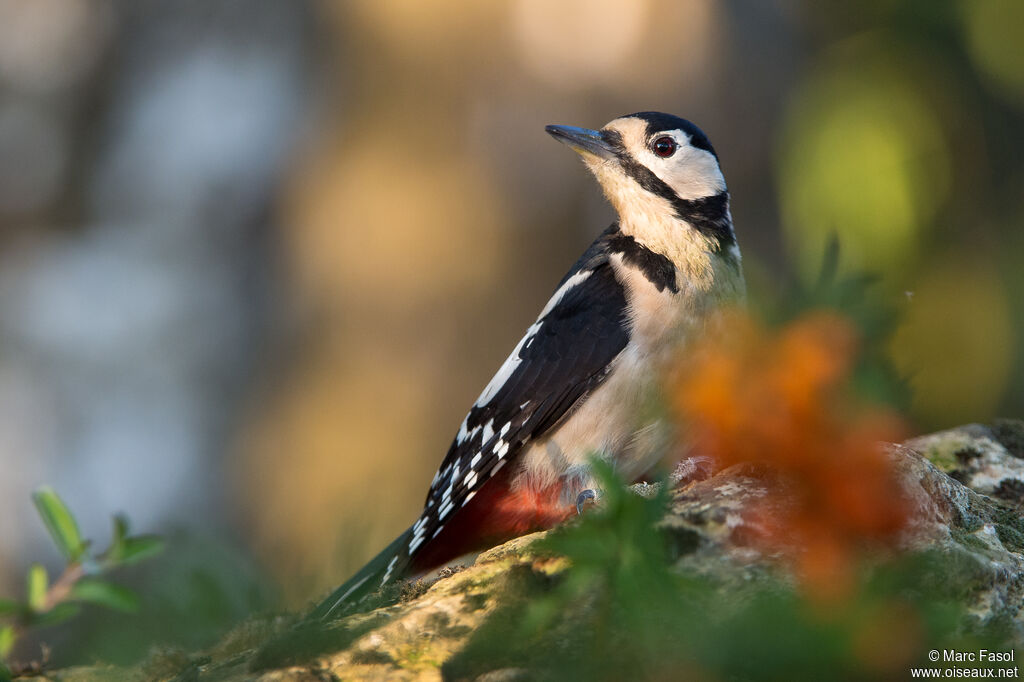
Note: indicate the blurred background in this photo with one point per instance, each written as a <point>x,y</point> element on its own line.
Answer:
<point>257,258</point>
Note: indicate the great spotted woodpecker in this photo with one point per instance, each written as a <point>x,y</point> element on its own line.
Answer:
<point>580,381</point>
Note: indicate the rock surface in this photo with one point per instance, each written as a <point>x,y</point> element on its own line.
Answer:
<point>965,485</point>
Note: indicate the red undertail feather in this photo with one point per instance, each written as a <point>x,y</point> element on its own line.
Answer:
<point>499,512</point>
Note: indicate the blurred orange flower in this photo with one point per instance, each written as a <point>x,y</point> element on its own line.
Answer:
<point>781,398</point>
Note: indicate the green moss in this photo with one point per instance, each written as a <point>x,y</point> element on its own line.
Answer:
<point>250,635</point>
<point>474,601</point>
<point>309,639</point>
<point>943,455</point>
<point>371,657</point>
<point>441,623</point>
<point>165,663</point>
<point>1010,528</point>
<point>953,576</point>
<point>421,656</point>
<point>93,674</point>
<point>968,540</point>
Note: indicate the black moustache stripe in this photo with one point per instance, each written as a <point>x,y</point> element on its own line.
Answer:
<point>708,215</point>
<point>658,269</point>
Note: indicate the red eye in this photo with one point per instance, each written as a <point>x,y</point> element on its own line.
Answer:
<point>664,147</point>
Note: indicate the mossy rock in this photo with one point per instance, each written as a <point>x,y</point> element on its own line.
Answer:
<point>420,629</point>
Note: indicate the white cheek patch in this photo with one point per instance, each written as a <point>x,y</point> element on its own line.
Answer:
<point>691,173</point>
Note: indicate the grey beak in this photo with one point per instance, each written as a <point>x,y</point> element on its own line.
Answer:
<point>582,140</point>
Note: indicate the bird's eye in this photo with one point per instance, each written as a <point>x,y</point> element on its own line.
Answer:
<point>664,147</point>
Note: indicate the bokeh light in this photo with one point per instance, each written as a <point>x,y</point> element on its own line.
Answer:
<point>570,44</point>
<point>378,211</point>
<point>259,258</point>
<point>637,46</point>
<point>863,157</point>
<point>956,343</point>
<point>992,31</point>
<point>47,45</point>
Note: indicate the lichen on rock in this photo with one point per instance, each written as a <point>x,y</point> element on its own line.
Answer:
<point>956,482</point>
<point>986,459</point>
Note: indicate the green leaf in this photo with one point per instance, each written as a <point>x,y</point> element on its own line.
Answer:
<point>115,552</point>
<point>58,614</point>
<point>126,550</point>
<point>5,673</point>
<point>7,637</point>
<point>106,594</point>
<point>7,607</point>
<point>139,548</point>
<point>37,584</point>
<point>59,521</point>
<point>120,528</point>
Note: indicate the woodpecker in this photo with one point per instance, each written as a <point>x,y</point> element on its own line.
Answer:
<point>580,381</point>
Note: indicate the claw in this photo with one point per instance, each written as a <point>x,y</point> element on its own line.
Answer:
<point>581,500</point>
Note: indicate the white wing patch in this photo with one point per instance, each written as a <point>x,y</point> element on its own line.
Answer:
<point>418,532</point>
<point>464,433</point>
<point>557,297</point>
<point>471,480</point>
<point>492,447</point>
<point>507,368</point>
<point>390,569</point>
<point>513,360</point>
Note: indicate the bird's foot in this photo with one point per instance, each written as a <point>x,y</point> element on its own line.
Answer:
<point>585,497</point>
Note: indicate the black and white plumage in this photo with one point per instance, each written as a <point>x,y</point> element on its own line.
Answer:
<point>578,381</point>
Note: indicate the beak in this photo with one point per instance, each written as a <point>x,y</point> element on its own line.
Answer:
<point>582,140</point>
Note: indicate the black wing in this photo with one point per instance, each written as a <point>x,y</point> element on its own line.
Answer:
<point>564,355</point>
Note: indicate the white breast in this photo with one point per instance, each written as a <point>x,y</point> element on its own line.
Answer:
<point>621,419</point>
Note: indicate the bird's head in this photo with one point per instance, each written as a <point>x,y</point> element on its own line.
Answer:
<point>653,167</point>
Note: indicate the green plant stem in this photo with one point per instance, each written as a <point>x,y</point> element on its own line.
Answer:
<point>61,588</point>
<point>58,591</point>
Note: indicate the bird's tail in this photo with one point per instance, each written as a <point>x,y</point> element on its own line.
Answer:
<point>393,562</point>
